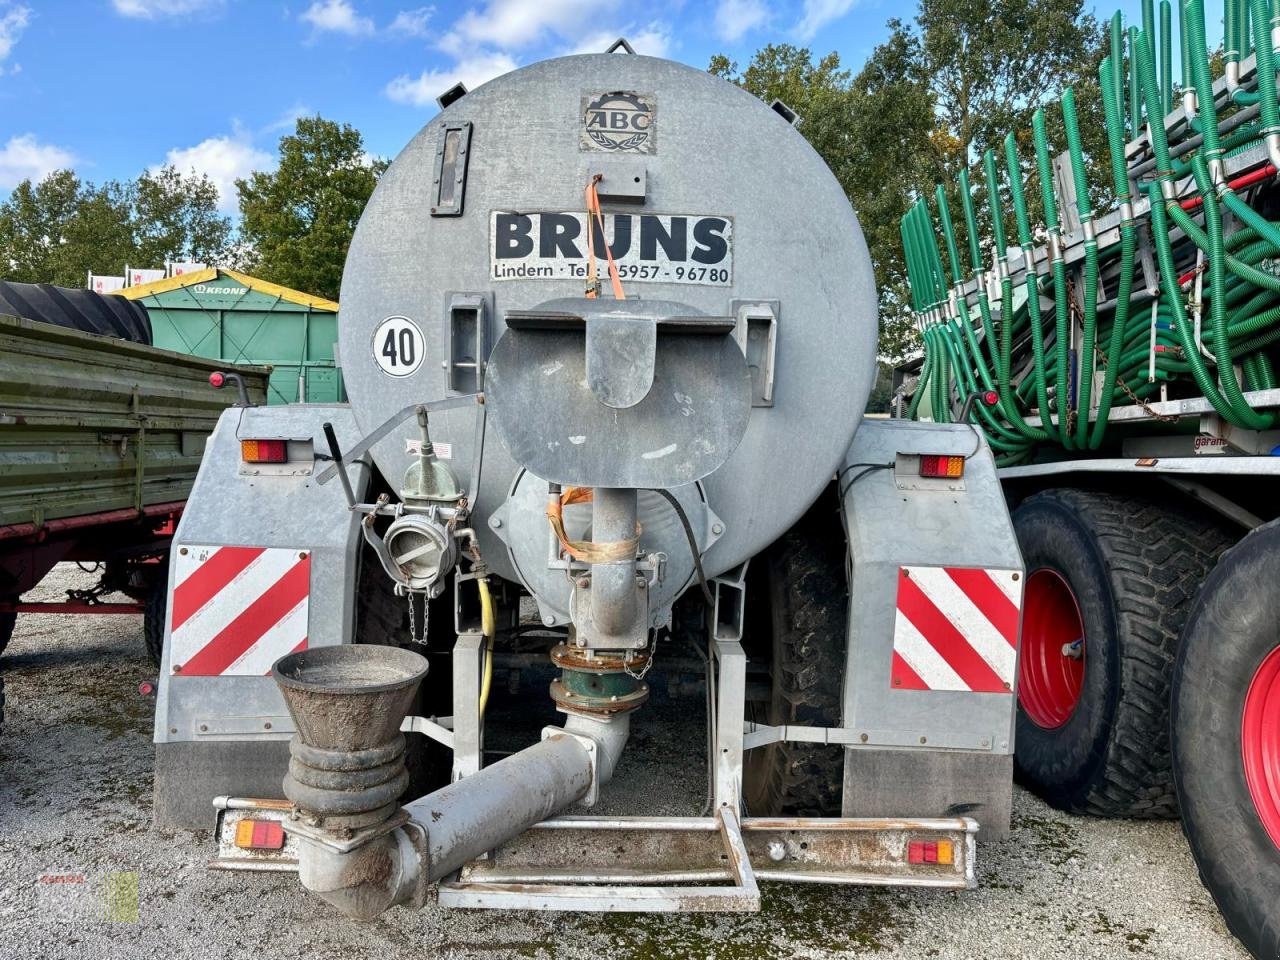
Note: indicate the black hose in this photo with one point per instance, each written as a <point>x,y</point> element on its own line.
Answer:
<point>693,542</point>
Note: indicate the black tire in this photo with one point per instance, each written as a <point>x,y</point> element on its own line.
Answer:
<point>1233,627</point>
<point>1134,567</point>
<point>807,593</point>
<point>7,622</point>
<point>154,609</point>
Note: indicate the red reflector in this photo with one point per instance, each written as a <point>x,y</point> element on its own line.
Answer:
<point>915,852</point>
<point>949,468</point>
<point>259,835</point>
<point>263,451</point>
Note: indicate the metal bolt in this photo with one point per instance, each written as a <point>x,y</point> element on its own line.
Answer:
<point>924,739</point>
<point>495,522</point>
<point>777,851</point>
<point>864,738</point>
<point>267,725</point>
<point>173,729</point>
<point>302,555</point>
<point>584,583</point>
<point>204,728</point>
<point>717,528</point>
<point>1015,576</point>
<point>183,551</point>
<point>548,620</point>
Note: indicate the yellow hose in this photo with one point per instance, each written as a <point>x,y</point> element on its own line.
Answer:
<point>488,626</point>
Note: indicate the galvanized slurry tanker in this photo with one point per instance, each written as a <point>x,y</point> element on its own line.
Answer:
<point>1126,376</point>
<point>608,325</point>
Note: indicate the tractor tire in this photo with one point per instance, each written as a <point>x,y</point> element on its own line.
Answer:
<point>1118,573</point>
<point>807,597</point>
<point>1226,755</point>
<point>156,604</point>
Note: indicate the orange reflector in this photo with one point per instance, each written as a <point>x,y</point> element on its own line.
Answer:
<point>945,852</point>
<point>262,451</point>
<point>259,835</point>
<point>947,468</point>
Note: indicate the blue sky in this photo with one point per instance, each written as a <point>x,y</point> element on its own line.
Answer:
<point>112,87</point>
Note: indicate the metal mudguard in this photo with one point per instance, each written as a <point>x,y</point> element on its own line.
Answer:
<point>264,561</point>
<point>934,611</point>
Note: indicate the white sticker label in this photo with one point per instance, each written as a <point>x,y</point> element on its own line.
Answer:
<point>695,249</point>
<point>398,346</point>
<point>443,451</point>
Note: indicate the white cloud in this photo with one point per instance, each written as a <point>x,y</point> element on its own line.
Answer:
<point>337,16</point>
<point>223,160</point>
<point>651,41</point>
<point>818,13</point>
<point>157,9</point>
<point>735,17</point>
<point>511,24</point>
<point>13,20</point>
<point>412,23</point>
<point>422,90</point>
<point>24,157</point>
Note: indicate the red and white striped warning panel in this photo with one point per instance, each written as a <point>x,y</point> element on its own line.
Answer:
<point>956,628</point>
<point>236,610</point>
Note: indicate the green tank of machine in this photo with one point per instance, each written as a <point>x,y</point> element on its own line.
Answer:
<point>232,317</point>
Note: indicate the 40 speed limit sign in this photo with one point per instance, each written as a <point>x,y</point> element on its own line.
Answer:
<point>398,346</point>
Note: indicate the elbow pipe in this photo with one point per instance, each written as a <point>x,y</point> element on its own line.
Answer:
<point>447,829</point>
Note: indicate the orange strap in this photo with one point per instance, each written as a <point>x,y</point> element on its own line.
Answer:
<point>594,217</point>
<point>587,551</point>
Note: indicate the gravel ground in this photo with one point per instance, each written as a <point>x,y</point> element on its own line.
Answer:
<point>75,788</point>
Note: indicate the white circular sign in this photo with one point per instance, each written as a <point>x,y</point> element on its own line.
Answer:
<point>398,346</point>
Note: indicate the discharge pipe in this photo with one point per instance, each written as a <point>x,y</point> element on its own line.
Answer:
<point>358,849</point>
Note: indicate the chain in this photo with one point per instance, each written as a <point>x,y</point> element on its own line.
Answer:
<point>648,664</point>
<point>1138,401</point>
<point>1162,417</point>
<point>414,637</point>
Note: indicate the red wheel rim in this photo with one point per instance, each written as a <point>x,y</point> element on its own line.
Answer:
<point>1260,742</point>
<point>1049,679</point>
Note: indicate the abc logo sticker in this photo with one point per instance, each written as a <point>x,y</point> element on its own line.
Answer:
<point>619,122</point>
<point>398,346</point>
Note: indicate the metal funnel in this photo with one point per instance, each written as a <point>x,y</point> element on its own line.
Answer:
<point>349,697</point>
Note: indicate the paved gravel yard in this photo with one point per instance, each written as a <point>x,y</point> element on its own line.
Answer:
<point>75,788</point>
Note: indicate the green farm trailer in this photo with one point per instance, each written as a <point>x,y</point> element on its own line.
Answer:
<point>100,441</point>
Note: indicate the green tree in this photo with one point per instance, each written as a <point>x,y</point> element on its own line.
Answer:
<point>62,228</point>
<point>297,220</point>
<point>175,217</point>
<point>58,230</point>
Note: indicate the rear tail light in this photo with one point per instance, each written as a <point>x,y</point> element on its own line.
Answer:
<point>943,467</point>
<point>919,851</point>
<point>263,451</point>
<point>259,835</point>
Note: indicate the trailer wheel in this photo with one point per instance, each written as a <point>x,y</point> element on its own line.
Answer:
<point>807,598</point>
<point>1226,738</point>
<point>1110,580</point>
<point>153,614</point>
